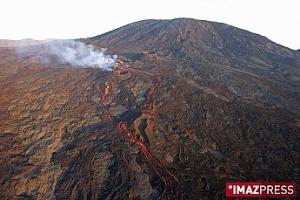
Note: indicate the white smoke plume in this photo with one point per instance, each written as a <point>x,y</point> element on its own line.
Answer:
<point>79,54</point>
<point>66,52</point>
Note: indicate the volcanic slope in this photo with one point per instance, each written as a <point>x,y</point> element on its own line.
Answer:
<point>190,104</point>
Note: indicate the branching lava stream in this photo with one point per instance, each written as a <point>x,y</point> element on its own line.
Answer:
<point>172,186</point>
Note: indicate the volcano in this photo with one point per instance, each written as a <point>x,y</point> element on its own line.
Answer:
<point>189,105</point>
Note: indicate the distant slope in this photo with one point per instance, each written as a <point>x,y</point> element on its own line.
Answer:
<point>208,47</point>
<point>20,43</point>
<point>183,35</point>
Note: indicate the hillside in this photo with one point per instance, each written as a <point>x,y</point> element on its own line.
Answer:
<point>190,105</point>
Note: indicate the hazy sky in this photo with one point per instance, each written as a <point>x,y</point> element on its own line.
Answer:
<point>279,20</point>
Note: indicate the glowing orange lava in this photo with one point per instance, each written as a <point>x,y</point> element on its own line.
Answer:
<point>172,187</point>
<point>151,93</point>
<point>106,89</point>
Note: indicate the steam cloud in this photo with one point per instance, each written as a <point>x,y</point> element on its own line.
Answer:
<point>79,54</point>
<point>67,52</point>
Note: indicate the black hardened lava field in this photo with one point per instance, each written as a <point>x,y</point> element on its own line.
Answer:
<point>187,106</point>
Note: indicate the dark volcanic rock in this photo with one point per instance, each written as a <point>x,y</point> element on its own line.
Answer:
<point>212,103</point>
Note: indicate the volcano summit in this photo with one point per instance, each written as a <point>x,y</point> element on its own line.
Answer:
<point>188,106</point>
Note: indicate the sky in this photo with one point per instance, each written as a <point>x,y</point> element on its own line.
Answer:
<point>279,20</point>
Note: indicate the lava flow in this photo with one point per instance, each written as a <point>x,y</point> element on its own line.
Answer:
<point>106,89</point>
<point>172,187</point>
<point>107,115</point>
<point>151,94</point>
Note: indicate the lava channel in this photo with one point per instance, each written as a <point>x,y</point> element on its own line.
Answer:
<point>172,186</point>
